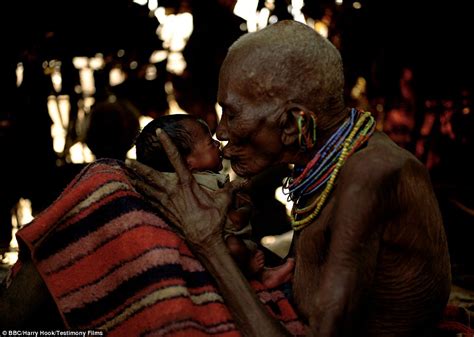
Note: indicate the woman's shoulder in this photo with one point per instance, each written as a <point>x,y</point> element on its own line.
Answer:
<point>380,159</point>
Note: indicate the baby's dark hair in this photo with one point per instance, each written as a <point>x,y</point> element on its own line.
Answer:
<point>149,149</point>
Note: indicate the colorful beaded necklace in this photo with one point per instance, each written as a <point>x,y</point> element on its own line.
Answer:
<point>323,169</point>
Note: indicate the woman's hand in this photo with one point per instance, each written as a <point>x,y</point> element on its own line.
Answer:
<point>199,213</point>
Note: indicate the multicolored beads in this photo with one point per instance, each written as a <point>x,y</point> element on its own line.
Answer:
<point>324,168</point>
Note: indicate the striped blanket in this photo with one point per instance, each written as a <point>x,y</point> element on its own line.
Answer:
<point>112,263</point>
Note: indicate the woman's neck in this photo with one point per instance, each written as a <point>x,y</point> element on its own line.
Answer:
<point>329,126</point>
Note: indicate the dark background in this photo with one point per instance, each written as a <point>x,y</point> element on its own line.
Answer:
<point>433,37</point>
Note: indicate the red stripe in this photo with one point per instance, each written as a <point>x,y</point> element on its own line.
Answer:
<point>199,290</point>
<point>455,327</point>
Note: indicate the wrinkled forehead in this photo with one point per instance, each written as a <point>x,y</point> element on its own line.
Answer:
<point>232,69</point>
<point>242,75</point>
<point>232,85</point>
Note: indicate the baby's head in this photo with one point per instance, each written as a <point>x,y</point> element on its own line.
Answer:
<point>192,138</point>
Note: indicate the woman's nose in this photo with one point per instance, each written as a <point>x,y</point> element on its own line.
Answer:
<point>221,131</point>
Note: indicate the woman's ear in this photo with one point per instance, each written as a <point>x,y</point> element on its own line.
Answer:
<point>289,126</point>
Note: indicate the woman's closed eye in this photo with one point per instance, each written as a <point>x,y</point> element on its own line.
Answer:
<point>228,114</point>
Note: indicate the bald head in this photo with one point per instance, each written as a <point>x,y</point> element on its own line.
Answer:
<point>290,62</point>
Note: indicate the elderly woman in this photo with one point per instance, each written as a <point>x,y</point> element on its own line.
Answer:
<point>370,247</point>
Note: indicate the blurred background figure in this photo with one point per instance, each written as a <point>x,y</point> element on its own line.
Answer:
<point>112,128</point>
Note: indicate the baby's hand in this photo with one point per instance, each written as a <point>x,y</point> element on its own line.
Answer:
<point>242,199</point>
<point>240,210</point>
<point>240,217</point>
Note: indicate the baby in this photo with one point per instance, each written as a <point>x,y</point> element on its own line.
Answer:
<point>202,155</point>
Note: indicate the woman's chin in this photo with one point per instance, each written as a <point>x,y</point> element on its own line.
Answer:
<point>242,171</point>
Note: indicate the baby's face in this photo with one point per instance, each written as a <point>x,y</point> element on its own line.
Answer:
<point>206,154</point>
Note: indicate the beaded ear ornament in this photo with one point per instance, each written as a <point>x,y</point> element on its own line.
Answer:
<point>306,130</point>
<point>323,169</point>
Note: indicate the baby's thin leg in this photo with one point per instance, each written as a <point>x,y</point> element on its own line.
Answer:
<point>239,251</point>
